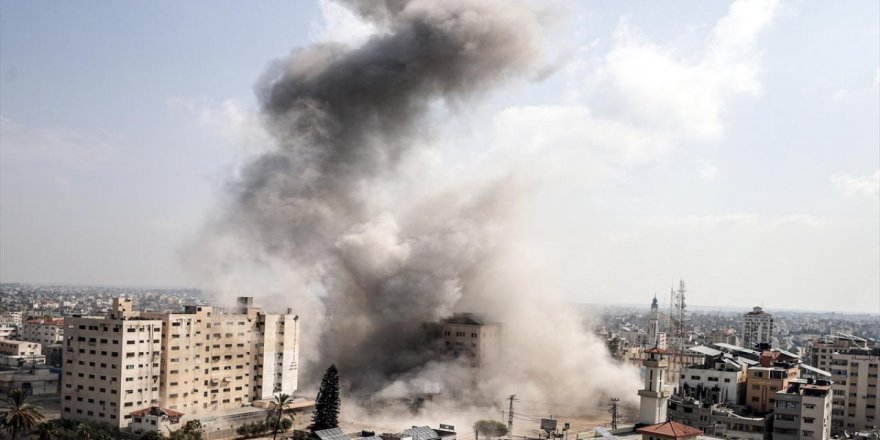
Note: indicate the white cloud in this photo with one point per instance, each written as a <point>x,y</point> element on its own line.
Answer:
<point>708,170</point>
<point>686,94</point>
<point>230,119</point>
<point>645,98</point>
<point>859,186</point>
<point>340,25</point>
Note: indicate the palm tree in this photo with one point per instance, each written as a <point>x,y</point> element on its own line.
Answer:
<point>46,430</point>
<point>85,430</point>
<point>19,415</point>
<point>276,413</point>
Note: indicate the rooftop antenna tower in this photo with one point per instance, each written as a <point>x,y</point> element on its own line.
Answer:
<point>681,306</point>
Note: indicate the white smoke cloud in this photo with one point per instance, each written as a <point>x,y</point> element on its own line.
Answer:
<point>858,186</point>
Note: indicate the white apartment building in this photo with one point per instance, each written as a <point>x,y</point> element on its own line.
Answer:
<point>44,331</point>
<point>721,379</point>
<point>10,347</point>
<point>470,336</point>
<point>803,411</point>
<point>757,328</point>
<point>204,360</point>
<point>856,405</point>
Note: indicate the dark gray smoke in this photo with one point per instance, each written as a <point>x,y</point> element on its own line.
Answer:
<point>326,223</point>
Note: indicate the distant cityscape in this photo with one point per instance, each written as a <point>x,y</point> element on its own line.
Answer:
<point>132,359</point>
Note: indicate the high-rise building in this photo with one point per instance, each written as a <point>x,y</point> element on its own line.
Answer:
<point>206,359</point>
<point>757,328</point>
<point>856,405</point>
<point>803,411</point>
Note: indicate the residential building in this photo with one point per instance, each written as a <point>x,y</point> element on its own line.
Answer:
<point>111,365</point>
<point>23,349</point>
<point>803,411</point>
<point>45,331</point>
<point>764,381</point>
<point>757,328</point>
<point>724,336</point>
<point>204,360</point>
<point>720,419</point>
<point>720,379</point>
<point>822,348</point>
<point>471,336</point>
<point>856,405</point>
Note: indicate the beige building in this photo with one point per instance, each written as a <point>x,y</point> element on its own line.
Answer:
<point>45,331</point>
<point>803,411</point>
<point>204,360</point>
<point>856,405</point>
<point>764,382</point>
<point>822,348</point>
<point>10,347</point>
<point>471,336</point>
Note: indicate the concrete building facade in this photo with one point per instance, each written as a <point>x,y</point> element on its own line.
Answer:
<point>204,360</point>
<point>757,328</point>
<point>471,336</point>
<point>856,405</point>
<point>655,395</point>
<point>763,383</point>
<point>803,411</point>
<point>44,331</point>
<point>717,381</point>
<point>22,349</point>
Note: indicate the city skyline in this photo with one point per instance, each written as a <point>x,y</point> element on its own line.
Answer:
<point>746,162</point>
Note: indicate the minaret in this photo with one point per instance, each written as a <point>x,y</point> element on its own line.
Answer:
<point>655,396</point>
<point>654,329</point>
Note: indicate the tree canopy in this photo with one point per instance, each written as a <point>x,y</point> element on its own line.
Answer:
<point>18,415</point>
<point>490,428</point>
<point>327,402</point>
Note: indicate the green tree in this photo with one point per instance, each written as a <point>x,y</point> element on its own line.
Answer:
<point>327,402</point>
<point>46,430</point>
<point>85,431</point>
<point>19,415</point>
<point>277,412</point>
<point>191,431</point>
<point>490,428</point>
<point>153,435</point>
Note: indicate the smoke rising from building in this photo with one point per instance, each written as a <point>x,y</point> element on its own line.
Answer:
<point>332,223</point>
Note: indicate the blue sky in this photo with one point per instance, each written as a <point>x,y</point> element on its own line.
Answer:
<point>735,145</point>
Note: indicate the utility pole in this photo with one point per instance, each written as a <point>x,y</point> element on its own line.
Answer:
<point>512,399</point>
<point>615,415</point>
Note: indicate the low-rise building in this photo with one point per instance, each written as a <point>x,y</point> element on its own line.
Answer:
<point>11,347</point>
<point>44,331</point>
<point>721,378</point>
<point>803,411</point>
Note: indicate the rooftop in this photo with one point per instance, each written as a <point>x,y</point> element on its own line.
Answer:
<point>670,429</point>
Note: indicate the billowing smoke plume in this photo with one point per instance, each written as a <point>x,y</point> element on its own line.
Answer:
<point>333,224</point>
